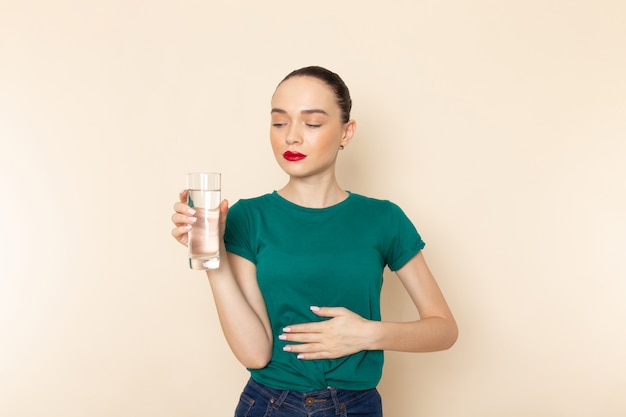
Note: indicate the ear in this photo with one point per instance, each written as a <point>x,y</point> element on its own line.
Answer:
<point>348,132</point>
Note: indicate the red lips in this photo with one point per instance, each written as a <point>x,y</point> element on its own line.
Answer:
<point>293,156</point>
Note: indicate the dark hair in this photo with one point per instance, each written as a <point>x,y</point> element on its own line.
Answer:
<point>334,81</point>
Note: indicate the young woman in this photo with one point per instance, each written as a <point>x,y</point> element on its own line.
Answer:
<point>298,294</point>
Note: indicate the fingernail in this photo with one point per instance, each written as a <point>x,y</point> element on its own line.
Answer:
<point>191,211</point>
<point>286,329</point>
<point>193,219</point>
<point>315,308</point>
<point>187,227</point>
<point>282,337</point>
<point>300,356</point>
<point>287,348</point>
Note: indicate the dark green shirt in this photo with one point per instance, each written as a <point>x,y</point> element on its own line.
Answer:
<point>329,257</point>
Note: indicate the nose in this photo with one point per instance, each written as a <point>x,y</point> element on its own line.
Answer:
<point>293,135</point>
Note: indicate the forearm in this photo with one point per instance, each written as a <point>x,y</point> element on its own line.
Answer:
<point>246,330</point>
<point>426,335</point>
<point>346,333</point>
<point>436,330</point>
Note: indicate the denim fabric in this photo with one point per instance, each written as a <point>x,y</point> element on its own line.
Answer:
<point>260,401</point>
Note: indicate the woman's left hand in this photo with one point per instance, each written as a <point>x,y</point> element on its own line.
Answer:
<point>343,334</point>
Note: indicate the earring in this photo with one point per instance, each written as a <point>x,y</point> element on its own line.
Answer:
<point>341,147</point>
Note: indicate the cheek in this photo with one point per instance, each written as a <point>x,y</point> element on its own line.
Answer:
<point>276,142</point>
<point>327,141</point>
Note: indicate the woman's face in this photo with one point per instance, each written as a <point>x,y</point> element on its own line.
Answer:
<point>307,130</point>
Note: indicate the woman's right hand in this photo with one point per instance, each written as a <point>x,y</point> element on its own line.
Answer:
<point>182,219</point>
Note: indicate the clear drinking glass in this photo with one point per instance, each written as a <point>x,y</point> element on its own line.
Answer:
<point>204,197</point>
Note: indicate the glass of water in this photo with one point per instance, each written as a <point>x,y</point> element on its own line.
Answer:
<point>204,197</point>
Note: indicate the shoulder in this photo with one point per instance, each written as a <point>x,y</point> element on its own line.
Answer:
<point>255,200</point>
<point>247,209</point>
<point>379,205</point>
<point>252,202</point>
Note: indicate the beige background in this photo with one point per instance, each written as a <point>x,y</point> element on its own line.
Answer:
<point>498,126</point>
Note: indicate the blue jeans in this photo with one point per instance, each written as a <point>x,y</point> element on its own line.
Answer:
<point>257,400</point>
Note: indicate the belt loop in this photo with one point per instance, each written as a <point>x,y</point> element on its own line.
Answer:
<point>339,406</point>
<point>280,400</point>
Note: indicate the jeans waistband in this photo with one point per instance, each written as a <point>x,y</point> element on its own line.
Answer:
<point>327,398</point>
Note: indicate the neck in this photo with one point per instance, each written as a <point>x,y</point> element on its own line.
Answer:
<point>313,195</point>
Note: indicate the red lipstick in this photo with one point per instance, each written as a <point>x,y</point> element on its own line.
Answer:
<point>293,156</point>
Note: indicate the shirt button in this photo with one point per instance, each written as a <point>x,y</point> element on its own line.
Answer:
<point>309,401</point>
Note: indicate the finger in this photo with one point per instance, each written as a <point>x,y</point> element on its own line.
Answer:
<point>314,355</point>
<point>181,231</point>
<point>328,311</point>
<point>300,338</point>
<point>304,342</point>
<point>313,327</point>
<point>182,219</point>
<point>317,354</point>
<point>183,208</point>
<point>309,351</point>
<point>303,348</point>
<point>181,234</point>
<point>223,211</point>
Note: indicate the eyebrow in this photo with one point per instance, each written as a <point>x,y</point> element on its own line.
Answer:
<point>305,111</point>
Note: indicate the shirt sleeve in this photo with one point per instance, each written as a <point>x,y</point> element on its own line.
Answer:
<point>238,236</point>
<point>404,241</point>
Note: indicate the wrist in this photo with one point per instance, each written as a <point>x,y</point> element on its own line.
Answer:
<point>374,334</point>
